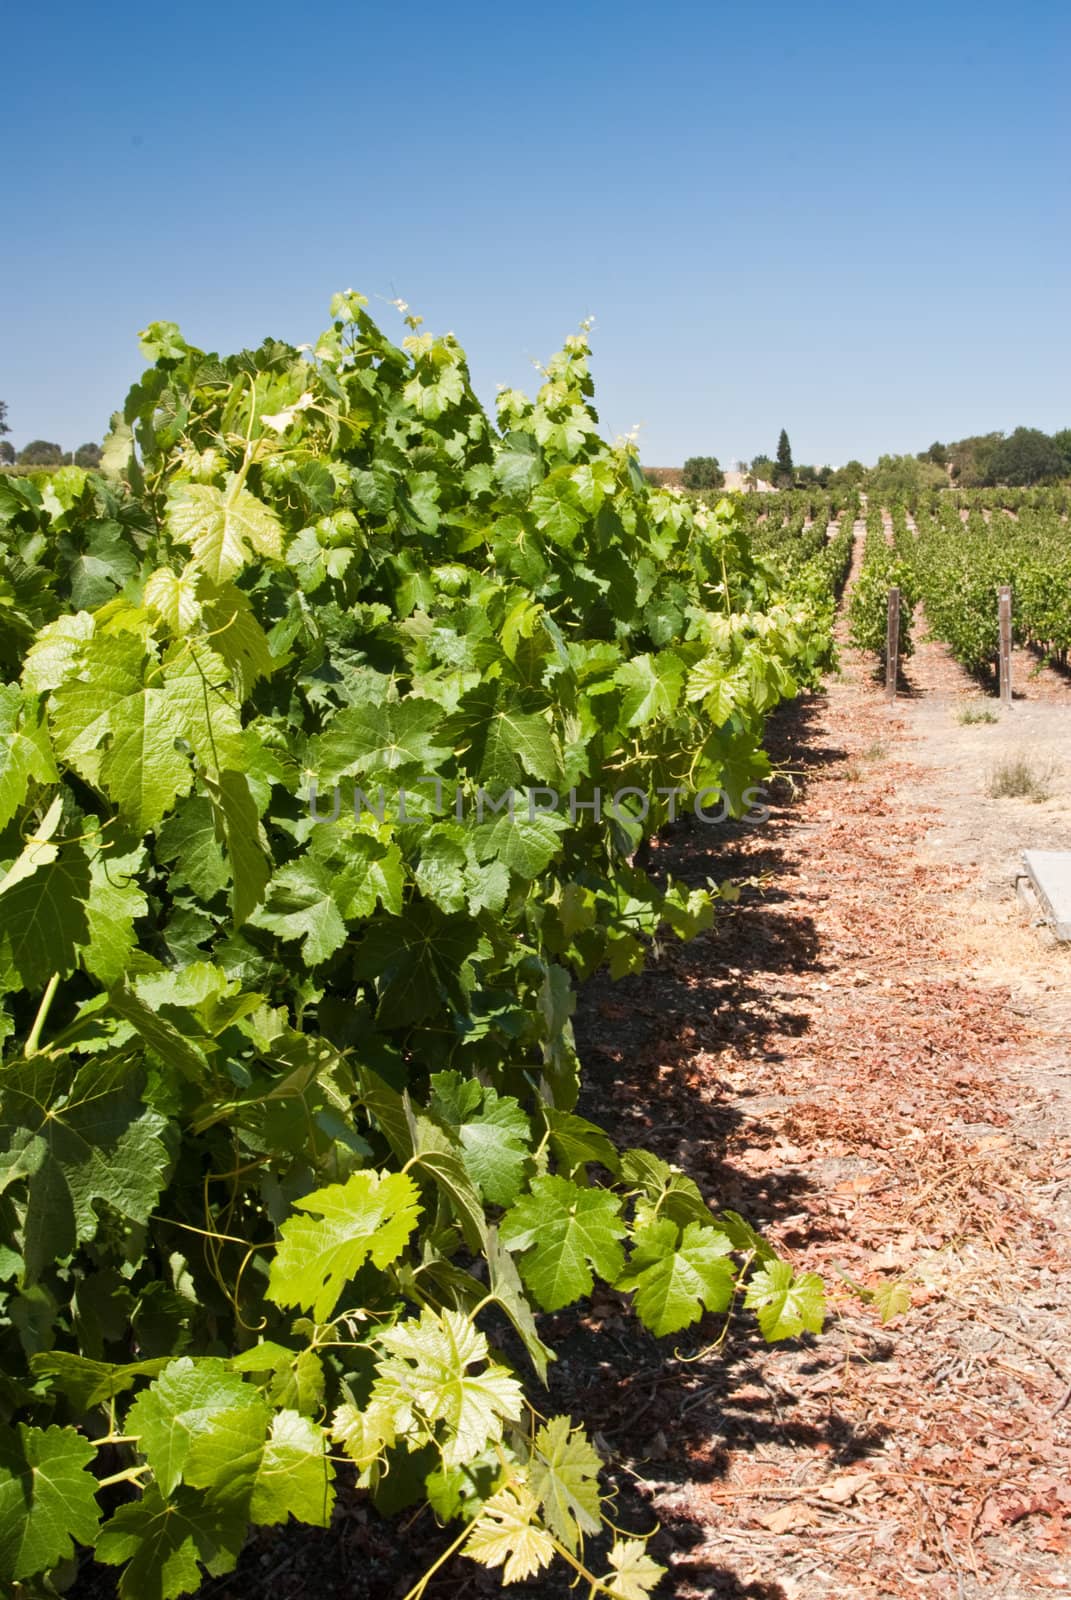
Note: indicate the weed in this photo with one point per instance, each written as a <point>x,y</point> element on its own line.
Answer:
<point>1017,778</point>
<point>972,712</point>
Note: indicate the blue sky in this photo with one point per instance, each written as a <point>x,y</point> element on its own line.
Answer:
<point>848,220</point>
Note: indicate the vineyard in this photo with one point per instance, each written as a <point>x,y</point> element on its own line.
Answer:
<point>336,716</point>
<point>339,721</point>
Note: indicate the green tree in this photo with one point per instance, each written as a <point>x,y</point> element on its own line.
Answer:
<point>850,476</point>
<point>41,453</point>
<point>702,472</point>
<point>87,455</point>
<point>1026,456</point>
<point>937,453</point>
<point>1062,441</point>
<point>7,453</point>
<point>897,478</point>
<point>4,428</point>
<point>784,472</point>
<point>763,468</point>
<point>970,459</point>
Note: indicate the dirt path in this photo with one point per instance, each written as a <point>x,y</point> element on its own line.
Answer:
<point>873,1058</point>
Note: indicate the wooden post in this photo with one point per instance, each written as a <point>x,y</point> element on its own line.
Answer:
<point>892,644</point>
<point>1005,612</point>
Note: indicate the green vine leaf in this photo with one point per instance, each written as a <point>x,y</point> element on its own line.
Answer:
<point>175,1418</point>
<point>120,728</point>
<point>563,1474</point>
<point>89,1383</point>
<point>365,1433</point>
<point>564,1232</point>
<point>676,1275</point>
<point>892,1298</point>
<point>294,1476</point>
<point>664,1191</point>
<point>786,1305</point>
<point>301,905</point>
<point>387,740</point>
<point>164,1540</point>
<point>493,1130</point>
<point>47,1498</point>
<point>25,753</point>
<point>652,686</point>
<point>224,529</point>
<point>425,1380</point>
<point>507,1534</point>
<point>237,826</point>
<point>77,1140</point>
<point>368,1218</point>
<point>634,1575</point>
<point>44,922</point>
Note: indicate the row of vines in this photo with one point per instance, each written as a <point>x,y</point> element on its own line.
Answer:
<point>964,557</point>
<point>884,566</point>
<point>334,715</point>
<point>954,557</point>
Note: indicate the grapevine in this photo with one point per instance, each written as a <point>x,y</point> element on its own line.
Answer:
<point>884,565</point>
<point>289,1086</point>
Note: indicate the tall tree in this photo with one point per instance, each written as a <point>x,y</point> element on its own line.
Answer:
<point>785,472</point>
<point>3,418</point>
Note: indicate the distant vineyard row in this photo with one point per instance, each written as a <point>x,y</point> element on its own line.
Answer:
<point>953,553</point>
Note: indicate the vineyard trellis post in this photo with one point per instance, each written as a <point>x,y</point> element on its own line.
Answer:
<point>892,644</point>
<point>1005,619</point>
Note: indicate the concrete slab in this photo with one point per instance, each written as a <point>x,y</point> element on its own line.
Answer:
<point>1050,873</point>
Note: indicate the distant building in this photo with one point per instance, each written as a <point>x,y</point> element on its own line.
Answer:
<point>743,481</point>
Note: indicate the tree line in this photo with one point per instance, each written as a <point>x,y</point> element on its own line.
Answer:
<point>1024,457</point>
<point>779,470</point>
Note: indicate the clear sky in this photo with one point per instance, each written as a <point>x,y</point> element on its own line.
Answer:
<point>848,220</point>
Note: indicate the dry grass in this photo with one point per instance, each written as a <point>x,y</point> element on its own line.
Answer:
<point>1020,778</point>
